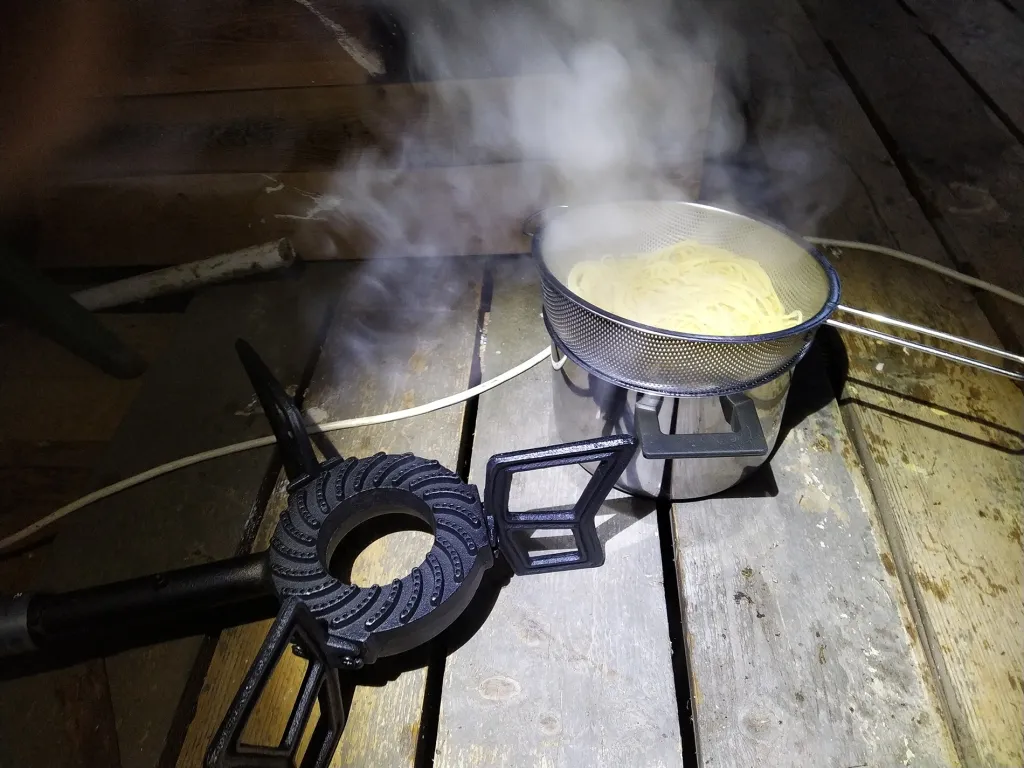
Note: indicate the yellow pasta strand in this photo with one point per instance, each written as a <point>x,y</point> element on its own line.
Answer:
<point>687,287</point>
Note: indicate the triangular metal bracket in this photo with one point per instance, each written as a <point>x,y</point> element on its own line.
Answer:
<point>294,625</point>
<point>612,455</point>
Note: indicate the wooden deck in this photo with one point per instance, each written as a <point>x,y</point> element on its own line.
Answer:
<point>857,602</point>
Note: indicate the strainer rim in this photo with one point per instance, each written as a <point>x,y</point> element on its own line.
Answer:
<point>674,391</point>
<point>827,308</point>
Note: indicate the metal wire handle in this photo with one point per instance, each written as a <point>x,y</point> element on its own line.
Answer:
<point>924,331</point>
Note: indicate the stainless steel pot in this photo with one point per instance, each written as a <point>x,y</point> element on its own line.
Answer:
<point>690,447</point>
<point>706,409</point>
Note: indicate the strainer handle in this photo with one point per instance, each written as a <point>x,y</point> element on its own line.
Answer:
<point>745,439</point>
<point>917,346</point>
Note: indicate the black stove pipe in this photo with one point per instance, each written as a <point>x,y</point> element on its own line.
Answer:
<point>45,631</point>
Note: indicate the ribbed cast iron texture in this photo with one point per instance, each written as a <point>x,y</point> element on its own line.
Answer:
<point>374,620</point>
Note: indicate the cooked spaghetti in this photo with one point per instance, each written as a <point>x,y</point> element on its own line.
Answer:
<point>687,287</point>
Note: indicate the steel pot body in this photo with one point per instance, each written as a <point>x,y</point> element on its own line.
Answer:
<point>705,410</point>
<point>690,447</point>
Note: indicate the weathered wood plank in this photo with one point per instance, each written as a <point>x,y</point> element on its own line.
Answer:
<point>502,141</point>
<point>946,444</point>
<point>75,710</point>
<point>172,219</point>
<point>984,37</point>
<point>407,125</point>
<point>422,352</point>
<point>196,46</point>
<point>571,668</point>
<point>315,128</point>
<point>913,414</point>
<point>32,490</point>
<point>469,210</point>
<point>194,398</point>
<point>57,414</point>
<point>49,395</point>
<point>796,640</point>
<point>969,168</point>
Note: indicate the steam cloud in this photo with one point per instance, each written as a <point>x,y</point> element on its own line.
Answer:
<point>608,100</point>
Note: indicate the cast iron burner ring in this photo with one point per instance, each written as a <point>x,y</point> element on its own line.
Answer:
<point>366,622</point>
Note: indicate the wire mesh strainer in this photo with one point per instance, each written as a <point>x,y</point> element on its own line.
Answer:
<point>654,360</point>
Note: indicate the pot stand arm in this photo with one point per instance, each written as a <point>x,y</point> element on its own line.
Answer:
<point>296,626</point>
<point>612,454</point>
<point>300,463</point>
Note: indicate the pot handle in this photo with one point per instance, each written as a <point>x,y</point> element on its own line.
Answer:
<point>745,439</point>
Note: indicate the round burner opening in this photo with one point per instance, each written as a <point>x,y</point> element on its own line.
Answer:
<point>362,528</point>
